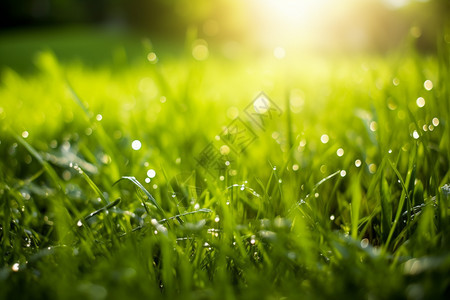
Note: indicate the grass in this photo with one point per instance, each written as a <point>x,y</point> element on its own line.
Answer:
<point>339,190</point>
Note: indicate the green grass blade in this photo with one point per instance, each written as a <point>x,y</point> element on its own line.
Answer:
<point>143,189</point>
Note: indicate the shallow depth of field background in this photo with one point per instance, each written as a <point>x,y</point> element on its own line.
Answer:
<point>254,149</point>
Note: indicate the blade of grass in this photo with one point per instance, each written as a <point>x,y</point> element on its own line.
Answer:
<point>143,189</point>
<point>112,204</point>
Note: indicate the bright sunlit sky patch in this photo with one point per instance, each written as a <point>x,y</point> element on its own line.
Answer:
<point>287,22</point>
<point>314,24</point>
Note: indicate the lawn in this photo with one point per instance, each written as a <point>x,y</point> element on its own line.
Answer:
<point>144,171</point>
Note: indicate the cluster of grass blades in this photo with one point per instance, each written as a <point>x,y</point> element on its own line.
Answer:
<point>102,197</point>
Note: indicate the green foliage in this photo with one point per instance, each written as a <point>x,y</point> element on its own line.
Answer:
<point>361,212</point>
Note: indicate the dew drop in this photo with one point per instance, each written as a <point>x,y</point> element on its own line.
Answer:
<point>224,150</point>
<point>151,57</point>
<point>364,243</point>
<point>151,173</point>
<point>428,85</point>
<point>136,145</point>
<point>435,121</point>
<point>420,102</point>
<point>15,267</point>
<point>25,134</point>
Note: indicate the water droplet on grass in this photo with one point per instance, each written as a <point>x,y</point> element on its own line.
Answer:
<point>435,121</point>
<point>364,243</point>
<point>151,173</point>
<point>324,138</point>
<point>428,85</point>
<point>25,134</point>
<point>340,152</point>
<point>261,105</point>
<point>151,57</point>
<point>224,150</point>
<point>420,102</point>
<point>136,145</point>
<point>79,223</point>
<point>15,267</point>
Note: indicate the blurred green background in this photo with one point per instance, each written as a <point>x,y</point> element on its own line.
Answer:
<point>100,31</point>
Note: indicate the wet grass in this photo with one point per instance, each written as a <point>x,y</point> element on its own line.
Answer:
<point>163,180</point>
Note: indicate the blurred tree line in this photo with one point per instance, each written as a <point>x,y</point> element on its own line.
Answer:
<point>171,18</point>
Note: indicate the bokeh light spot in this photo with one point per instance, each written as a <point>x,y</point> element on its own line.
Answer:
<point>420,102</point>
<point>136,145</point>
